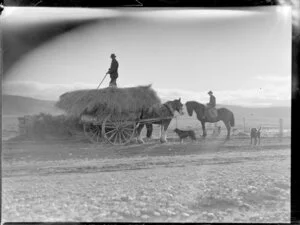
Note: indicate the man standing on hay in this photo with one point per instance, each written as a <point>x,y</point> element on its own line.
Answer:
<point>113,71</point>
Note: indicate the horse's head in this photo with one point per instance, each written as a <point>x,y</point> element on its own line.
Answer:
<point>189,108</point>
<point>178,106</point>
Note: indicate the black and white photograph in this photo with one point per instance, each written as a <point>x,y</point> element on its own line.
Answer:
<point>147,114</point>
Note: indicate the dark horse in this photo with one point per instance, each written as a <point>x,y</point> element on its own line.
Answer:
<point>159,114</point>
<point>223,114</point>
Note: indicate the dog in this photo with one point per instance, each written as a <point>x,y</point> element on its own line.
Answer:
<point>255,135</point>
<point>182,134</point>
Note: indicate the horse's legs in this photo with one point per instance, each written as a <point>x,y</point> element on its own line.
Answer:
<point>228,130</point>
<point>203,129</point>
<point>138,131</point>
<point>149,127</point>
<point>163,133</point>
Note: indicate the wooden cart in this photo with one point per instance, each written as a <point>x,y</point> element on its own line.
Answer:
<point>114,129</point>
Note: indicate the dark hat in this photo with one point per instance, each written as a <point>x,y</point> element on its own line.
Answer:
<point>112,55</point>
<point>210,92</point>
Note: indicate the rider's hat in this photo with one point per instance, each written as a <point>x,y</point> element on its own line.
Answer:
<point>210,92</point>
<point>112,55</point>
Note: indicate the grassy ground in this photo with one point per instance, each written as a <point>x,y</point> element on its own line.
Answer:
<point>9,127</point>
<point>202,181</point>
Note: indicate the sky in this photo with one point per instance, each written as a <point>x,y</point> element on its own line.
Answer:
<point>242,54</point>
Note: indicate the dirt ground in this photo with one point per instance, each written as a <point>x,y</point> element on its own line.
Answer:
<point>204,181</point>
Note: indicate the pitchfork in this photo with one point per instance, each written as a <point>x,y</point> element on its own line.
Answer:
<point>102,81</point>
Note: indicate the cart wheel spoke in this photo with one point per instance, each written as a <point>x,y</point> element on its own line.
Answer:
<point>108,132</point>
<point>122,134</point>
<point>92,132</point>
<point>128,129</point>
<point>112,135</point>
<point>116,138</point>
<point>126,133</point>
<point>120,138</point>
<point>118,131</point>
<point>97,134</point>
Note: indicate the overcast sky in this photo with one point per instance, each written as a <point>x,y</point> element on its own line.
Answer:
<point>243,55</point>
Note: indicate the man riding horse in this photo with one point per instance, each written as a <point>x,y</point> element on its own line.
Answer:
<point>210,110</point>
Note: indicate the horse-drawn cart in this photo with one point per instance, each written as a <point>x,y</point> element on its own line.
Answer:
<point>114,129</point>
<point>114,115</point>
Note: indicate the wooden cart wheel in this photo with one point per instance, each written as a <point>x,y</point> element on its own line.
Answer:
<point>93,132</point>
<point>118,131</point>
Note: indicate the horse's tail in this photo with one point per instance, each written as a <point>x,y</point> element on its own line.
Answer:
<point>232,120</point>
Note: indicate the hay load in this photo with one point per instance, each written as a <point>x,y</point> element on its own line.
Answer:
<point>108,100</point>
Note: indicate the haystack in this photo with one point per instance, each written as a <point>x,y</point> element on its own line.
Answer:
<point>108,100</point>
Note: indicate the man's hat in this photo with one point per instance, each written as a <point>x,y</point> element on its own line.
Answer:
<point>112,55</point>
<point>210,92</point>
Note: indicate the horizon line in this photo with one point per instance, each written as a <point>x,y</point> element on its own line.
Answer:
<point>163,99</point>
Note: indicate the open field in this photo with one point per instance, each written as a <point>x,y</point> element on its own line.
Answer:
<point>203,181</point>
<point>9,127</point>
<point>270,127</point>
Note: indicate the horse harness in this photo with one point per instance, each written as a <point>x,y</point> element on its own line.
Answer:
<point>170,108</point>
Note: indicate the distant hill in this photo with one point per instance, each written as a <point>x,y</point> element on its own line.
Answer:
<point>274,111</point>
<point>17,105</point>
<point>264,116</point>
<point>254,117</point>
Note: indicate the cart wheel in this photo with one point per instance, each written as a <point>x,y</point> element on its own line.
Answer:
<point>118,131</point>
<point>93,132</point>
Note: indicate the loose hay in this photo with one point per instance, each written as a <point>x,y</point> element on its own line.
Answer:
<point>44,126</point>
<point>108,100</point>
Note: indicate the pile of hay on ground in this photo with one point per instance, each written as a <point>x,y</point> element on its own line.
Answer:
<point>108,100</point>
<point>43,126</point>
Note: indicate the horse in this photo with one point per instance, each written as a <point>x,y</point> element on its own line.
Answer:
<point>224,115</point>
<point>161,114</point>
